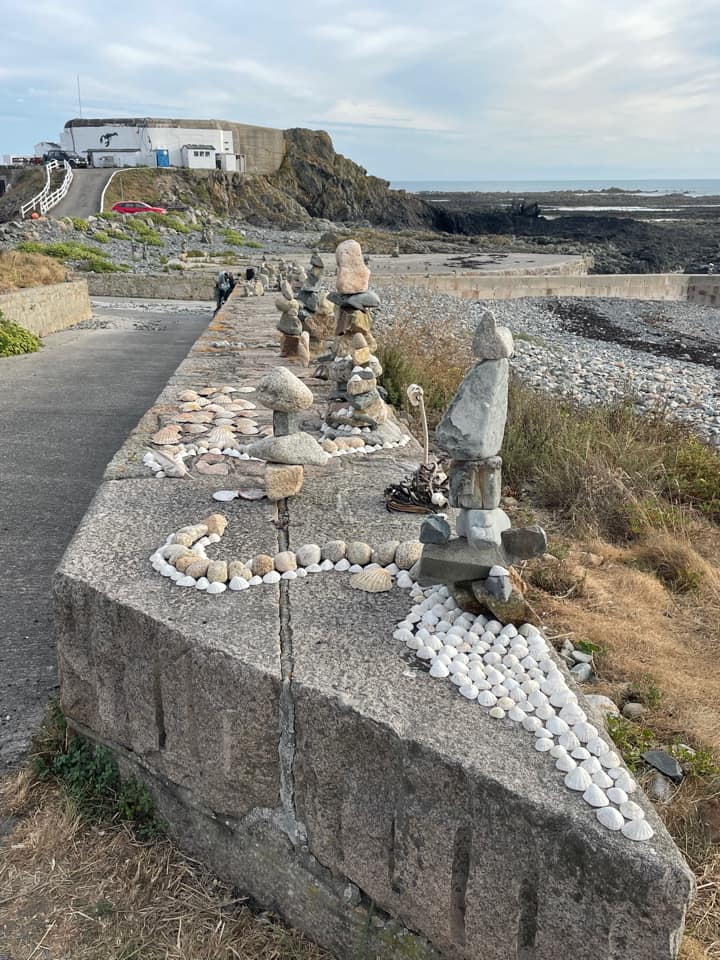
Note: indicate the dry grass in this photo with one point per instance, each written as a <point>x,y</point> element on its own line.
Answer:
<point>18,270</point>
<point>75,890</point>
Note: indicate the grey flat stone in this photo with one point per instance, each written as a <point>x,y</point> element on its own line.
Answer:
<point>665,763</point>
<point>524,543</point>
<point>457,561</point>
<point>435,530</point>
<point>299,448</point>
<point>474,423</point>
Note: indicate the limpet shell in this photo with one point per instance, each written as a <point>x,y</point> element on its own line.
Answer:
<point>617,795</point>
<point>439,669</point>
<point>497,713</point>
<point>372,581</point>
<point>565,764</point>
<point>631,810</point>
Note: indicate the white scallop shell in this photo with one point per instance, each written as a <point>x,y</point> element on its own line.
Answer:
<point>225,495</point>
<point>544,745</point>
<point>631,810</point>
<point>439,669</point>
<point>372,581</point>
<point>403,636</point>
<point>610,759</point>
<point>221,437</point>
<point>597,746</point>
<point>617,795</point>
<point>217,587</point>
<point>578,779</point>
<point>637,830</point>
<point>497,713</point>
<point>544,711</point>
<point>486,699</point>
<point>595,796</point>
<point>516,715</point>
<point>569,740</point>
<point>532,724</point>
<point>556,726</point>
<point>425,653</point>
<point>562,697</point>
<point>565,764</point>
<point>611,818</point>
<point>580,753</point>
<point>572,714</point>
<point>592,765</point>
<point>469,691</point>
<point>602,780</point>
<point>585,731</point>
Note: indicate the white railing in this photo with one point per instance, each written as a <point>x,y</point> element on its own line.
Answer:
<point>47,198</point>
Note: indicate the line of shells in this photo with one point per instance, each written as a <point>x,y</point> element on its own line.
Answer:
<point>183,559</point>
<point>512,674</point>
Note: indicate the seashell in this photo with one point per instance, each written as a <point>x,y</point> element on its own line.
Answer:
<point>562,697</point>
<point>202,584</point>
<point>168,434</point>
<point>372,581</point>
<point>289,575</point>
<point>195,428</point>
<point>580,753</point>
<point>591,764</point>
<point>188,396</point>
<point>516,715</point>
<point>565,764</point>
<point>623,780</point>
<point>532,724</point>
<point>486,699</point>
<point>255,581</point>
<point>595,797</point>
<point>585,731</point>
<point>225,495</point>
<point>617,795</point>
<point>569,740</point>
<point>602,780</point>
<point>217,587</point>
<point>597,746</point>
<point>246,428</point>
<point>578,779</point>
<point>611,818</point>
<point>238,583</point>
<point>572,714</point>
<point>221,437</point>
<point>556,726</point>
<point>313,568</point>
<point>506,703</point>
<point>544,711</point>
<point>185,581</point>
<point>439,669</point>
<point>497,713</point>
<point>190,407</point>
<point>544,745</point>
<point>631,810</point>
<point>637,830</point>
<point>558,751</point>
<point>610,759</point>
<point>469,691</point>
<point>425,653</point>
<point>403,635</point>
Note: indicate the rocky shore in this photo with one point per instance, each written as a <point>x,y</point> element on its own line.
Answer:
<point>570,347</point>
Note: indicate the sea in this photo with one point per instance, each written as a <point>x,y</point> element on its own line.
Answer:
<point>658,187</point>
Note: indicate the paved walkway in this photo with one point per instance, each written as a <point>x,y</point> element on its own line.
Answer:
<point>83,197</point>
<point>63,413</point>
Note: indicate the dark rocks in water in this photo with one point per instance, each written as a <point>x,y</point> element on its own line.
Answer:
<point>663,762</point>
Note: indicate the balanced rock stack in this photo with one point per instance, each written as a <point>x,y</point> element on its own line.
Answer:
<point>316,311</point>
<point>293,344</point>
<point>289,448</point>
<point>475,563</point>
<point>356,402</point>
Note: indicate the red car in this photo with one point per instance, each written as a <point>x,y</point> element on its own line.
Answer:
<point>134,206</point>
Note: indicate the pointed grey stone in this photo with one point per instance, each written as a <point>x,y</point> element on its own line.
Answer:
<point>435,529</point>
<point>491,342</point>
<point>474,423</point>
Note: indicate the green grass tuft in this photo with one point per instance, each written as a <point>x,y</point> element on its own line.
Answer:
<point>16,340</point>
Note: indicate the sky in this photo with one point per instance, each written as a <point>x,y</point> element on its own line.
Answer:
<point>410,89</point>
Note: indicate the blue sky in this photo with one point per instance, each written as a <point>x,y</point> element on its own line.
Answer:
<point>412,89</point>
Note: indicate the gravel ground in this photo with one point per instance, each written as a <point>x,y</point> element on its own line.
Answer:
<point>598,350</point>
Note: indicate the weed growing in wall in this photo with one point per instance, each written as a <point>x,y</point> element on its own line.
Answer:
<point>15,339</point>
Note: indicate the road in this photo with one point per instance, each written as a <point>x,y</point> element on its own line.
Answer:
<point>64,412</point>
<point>83,197</point>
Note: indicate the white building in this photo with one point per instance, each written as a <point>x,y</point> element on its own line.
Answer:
<point>198,156</point>
<point>138,142</point>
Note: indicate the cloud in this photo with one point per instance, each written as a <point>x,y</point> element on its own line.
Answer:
<point>466,89</point>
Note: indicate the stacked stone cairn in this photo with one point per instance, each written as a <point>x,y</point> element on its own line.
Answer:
<point>316,311</point>
<point>356,404</point>
<point>290,448</point>
<point>475,564</point>
<point>294,343</point>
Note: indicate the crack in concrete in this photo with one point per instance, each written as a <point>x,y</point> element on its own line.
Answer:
<point>293,827</point>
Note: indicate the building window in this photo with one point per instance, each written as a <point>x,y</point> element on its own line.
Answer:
<point>196,153</point>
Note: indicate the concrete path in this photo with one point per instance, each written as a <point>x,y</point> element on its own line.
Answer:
<point>63,413</point>
<point>83,197</point>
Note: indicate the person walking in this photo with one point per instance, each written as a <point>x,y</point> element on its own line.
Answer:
<point>222,289</point>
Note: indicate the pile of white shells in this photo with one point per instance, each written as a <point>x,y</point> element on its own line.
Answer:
<point>513,675</point>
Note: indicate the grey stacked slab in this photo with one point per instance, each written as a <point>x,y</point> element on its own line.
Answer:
<point>309,759</point>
